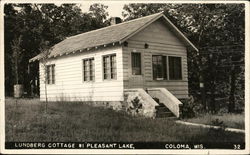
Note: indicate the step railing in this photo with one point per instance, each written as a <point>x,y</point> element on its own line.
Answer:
<point>167,98</point>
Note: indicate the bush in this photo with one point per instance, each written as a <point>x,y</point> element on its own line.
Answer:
<point>136,105</point>
<point>191,108</point>
<point>219,123</point>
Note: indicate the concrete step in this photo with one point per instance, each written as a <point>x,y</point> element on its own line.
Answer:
<point>164,114</point>
<point>161,105</point>
<point>162,109</point>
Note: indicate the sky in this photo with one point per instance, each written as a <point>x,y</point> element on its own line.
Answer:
<point>114,8</point>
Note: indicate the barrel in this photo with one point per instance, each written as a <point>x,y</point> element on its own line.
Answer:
<point>18,90</point>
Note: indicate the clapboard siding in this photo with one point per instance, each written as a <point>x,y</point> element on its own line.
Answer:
<point>87,87</point>
<point>157,32</point>
<point>69,84</point>
<point>161,41</point>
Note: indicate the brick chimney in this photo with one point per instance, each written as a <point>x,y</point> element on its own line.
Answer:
<point>115,20</point>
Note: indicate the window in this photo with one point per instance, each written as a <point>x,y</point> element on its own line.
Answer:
<point>88,69</point>
<point>136,63</point>
<point>109,67</point>
<point>50,73</point>
<point>159,67</point>
<point>175,71</point>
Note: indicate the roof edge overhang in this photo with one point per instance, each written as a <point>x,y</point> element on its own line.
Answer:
<point>39,56</point>
<point>186,40</point>
<point>183,37</point>
<point>179,33</point>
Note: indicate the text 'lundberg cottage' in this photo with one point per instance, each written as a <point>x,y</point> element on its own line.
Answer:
<point>140,62</point>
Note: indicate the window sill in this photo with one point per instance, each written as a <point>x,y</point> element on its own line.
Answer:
<point>159,79</point>
<point>137,75</point>
<point>181,80</point>
<point>109,80</point>
<point>176,80</point>
<point>88,81</point>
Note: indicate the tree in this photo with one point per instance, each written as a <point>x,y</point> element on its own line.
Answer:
<point>9,18</point>
<point>44,59</point>
<point>99,15</point>
<point>132,11</point>
<point>39,22</point>
<point>16,56</point>
<point>213,28</point>
<point>98,11</point>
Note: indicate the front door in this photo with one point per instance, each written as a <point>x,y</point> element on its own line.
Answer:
<point>136,79</point>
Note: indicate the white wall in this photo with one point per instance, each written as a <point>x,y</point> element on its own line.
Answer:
<point>69,83</point>
<point>161,41</point>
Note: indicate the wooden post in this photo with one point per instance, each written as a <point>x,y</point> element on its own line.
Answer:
<point>231,105</point>
<point>203,94</point>
<point>201,79</point>
<point>212,84</point>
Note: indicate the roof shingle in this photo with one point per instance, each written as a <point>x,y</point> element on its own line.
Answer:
<point>108,35</point>
<point>103,36</point>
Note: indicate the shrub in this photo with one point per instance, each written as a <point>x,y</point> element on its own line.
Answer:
<point>136,106</point>
<point>191,108</point>
<point>223,110</point>
<point>217,122</point>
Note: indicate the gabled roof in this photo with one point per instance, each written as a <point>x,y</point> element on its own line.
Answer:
<point>108,35</point>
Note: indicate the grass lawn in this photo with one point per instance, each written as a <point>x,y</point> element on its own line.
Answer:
<point>78,122</point>
<point>229,120</point>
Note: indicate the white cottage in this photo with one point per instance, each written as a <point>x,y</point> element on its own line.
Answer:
<point>145,57</point>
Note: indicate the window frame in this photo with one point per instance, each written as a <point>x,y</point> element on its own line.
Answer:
<point>164,77</point>
<point>109,78</point>
<point>141,69</point>
<point>50,74</point>
<point>181,68</point>
<point>88,60</point>
<point>167,67</point>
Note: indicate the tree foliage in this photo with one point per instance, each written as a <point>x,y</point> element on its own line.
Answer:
<point>216,29</point>
<point>38,23</point>
<point>218,32</point>
<point>200,22</point>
